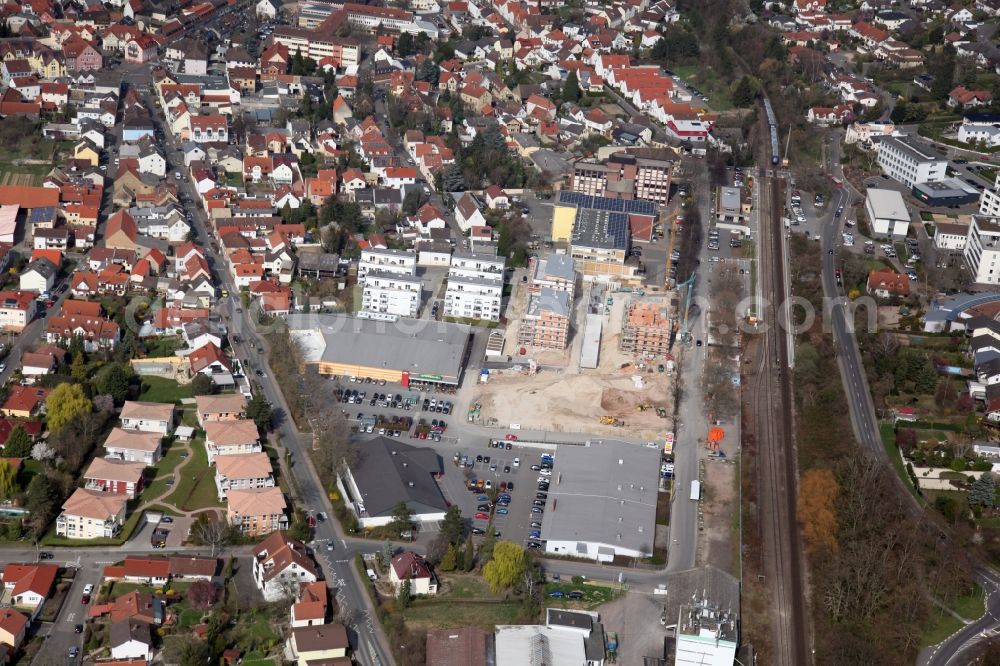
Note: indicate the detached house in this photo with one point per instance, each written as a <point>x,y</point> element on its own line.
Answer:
<point>28,585</point>
<point>281,565</point>
<point>887,283</point>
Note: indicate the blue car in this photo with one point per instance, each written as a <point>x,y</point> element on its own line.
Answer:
<point>556,594</point>
<point>534,534</point>
<point>482,498</point>
<point>504,496</point>
<point>502,511</point>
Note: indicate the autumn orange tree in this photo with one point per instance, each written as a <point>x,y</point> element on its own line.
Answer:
<point>818,490</point>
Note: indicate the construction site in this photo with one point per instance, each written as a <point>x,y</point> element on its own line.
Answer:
<point>614,376</point>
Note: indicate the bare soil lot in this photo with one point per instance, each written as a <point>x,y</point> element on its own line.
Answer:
<point>719,507</point>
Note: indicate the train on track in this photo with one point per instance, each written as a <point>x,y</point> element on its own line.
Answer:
<point>772,125</point>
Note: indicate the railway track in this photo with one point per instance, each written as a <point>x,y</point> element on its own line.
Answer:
<point>771,402</point>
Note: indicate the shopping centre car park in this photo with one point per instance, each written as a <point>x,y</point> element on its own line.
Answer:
<point>516,524</point>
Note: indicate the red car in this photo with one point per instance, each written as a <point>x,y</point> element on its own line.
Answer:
<point>85,599</point>
<point>49,303</point>
<point>510,437</point>
<point>423,435</point>
<point>482,516</point>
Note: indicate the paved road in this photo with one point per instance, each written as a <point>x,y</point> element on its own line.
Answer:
<point>953,650</point>
<point>371,645</point>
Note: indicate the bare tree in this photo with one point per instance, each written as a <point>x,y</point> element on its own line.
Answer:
<point>214,533</point>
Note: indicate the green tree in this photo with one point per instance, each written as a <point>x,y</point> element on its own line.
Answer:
<point>402,517</point>
<point>259,410</point>
<point>202,384</point>
<point>489,543</point>
<point>404,45</point>
<point>451,526</point>
<point>453,180</point>
<point>78,369</point>
<point>506,567</point>
<point>40,500</point>
<point>18,443</point>
<point>469,556</point>
<point>571,89</point>
<point>66,404</point>
<point>745,93</point>
<point>450,559</point>
<point>983,491</point>
<point>113,380</point>
<point>8,480</point>
<point>404,598</point>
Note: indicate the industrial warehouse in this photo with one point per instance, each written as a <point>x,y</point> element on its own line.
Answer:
<point>402,351</point>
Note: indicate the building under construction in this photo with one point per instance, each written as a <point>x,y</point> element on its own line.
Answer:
<point>545,323</point>
<point>645,329</point>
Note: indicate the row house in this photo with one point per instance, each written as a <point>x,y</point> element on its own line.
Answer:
<point>84,320</point>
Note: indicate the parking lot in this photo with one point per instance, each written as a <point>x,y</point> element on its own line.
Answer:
<point>513,520</point>
<point>393,411</point>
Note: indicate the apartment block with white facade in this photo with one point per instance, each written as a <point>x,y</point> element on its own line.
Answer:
<point>982,250</point>
<point>475,286</point>
<point>473,298</point>
<point>989,202</point>
<point>390,293</point>
<point>909,162</point>
<point>398,262</point>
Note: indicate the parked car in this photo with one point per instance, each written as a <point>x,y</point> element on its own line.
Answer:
<point>503,511</point>
<point>482,516</point>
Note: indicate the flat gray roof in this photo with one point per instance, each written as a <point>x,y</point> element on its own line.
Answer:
<point>416,346</point>
<point>604,493</point>
<point>888,205</point>
<point>590,353</point>
<point>558,266</point>
<point>917,150</point>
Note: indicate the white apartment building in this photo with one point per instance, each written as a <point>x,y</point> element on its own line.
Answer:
<point>982,250</point>
<point>397,262</point>
<point>390,293</point>
<point>471,264</point>
<point>475,287</point>
<point>473,298</point>
<point>989,202</point>
<point>905,160</point>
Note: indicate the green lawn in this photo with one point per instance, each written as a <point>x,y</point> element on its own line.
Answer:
<point>161,347</point>
<point>161,471</point>
<point>196,487</point>
<point>593,595</point>
<point>940,626</point>
<point>190,617</point>
<point>467,586</point>
<point>158,389</point>
<point>256,659</point>
<point>708,82</point>
<point>452,613</point>
<point>943,624</point>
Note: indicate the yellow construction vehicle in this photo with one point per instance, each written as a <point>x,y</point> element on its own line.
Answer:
<point>607,420</point>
